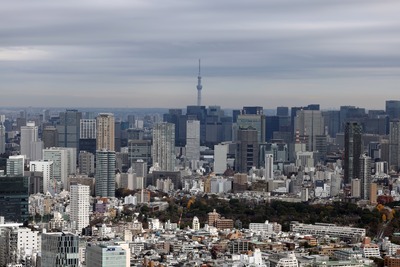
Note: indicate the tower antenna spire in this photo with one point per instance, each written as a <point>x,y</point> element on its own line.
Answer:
<point>199,87</point>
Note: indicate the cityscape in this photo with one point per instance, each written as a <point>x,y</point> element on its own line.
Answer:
<point>226,133</point>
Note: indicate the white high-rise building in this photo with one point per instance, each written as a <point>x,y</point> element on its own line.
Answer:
<point>29,136</point>
<point>269,166</point>
<point>193,140</point>
<point>15,165</point>
<point>163,150</point>
<point>46,167</point>
<point>365,176</point>
<point>80,204</point>
<point>59,157</point>
<point>220,158</point>
<point>87,129</point>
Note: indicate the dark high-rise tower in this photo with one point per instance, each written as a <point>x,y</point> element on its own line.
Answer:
<point>352,151</point>
<point>199,87</point>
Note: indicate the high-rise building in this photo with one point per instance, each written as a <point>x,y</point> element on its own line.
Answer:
<point>394,145</point>
<point>105,132</point>
<point>139,150</point>
<point>2,138</point>
<point>64,162</point>
<point>309,124</point>
<point>14,198</point>
<point>255,121</point>
<point>163,151</point>
<point>15,165</point>
<point>46,167</point>
<point>103,255</point>
<point>80,195</point>
<point>87,138</point>
<point>365,176</point>
<point>30,145</point>
<point>105,173</point>
<point>393,109</point>
<point>352,151</point>
<point>60,249</point>
<point>50,137</point>
<point>69,129</point>
<point>282,111</point>
<point>193,140</point>
<point>247,150</point>
<point>269,166</point>
<point>86,163</point>
<point>220,158</point>
<point>140,168</point>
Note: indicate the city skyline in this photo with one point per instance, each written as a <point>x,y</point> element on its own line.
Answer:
<point>145,53</point>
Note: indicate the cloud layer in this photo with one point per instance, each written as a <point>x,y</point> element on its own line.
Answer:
<point>144,53</point>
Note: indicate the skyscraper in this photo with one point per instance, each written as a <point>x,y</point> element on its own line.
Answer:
<point>199,87</point>
<point>163,151</point>
<point>393,109</point>
<point>105,173</point>
<point>64,162</point>
<point>365,176</point>
<point>247,149</point>
<point>80,195</point>
<point>193,140</point>
<point>50,137</point>
<point>394,145</point>
<point>69,128</point>
<point>352,151</point>
<point>254,121</point>
<point>60,249</point>
<point>14,198</point>
<point>105,132</point>
<point>309,124</point>
<point>87,138</point>
<point>15,165</point>
<point>269,166</point>
<point>2,138</point>
<point>29,139</point>
<point>46,167</point>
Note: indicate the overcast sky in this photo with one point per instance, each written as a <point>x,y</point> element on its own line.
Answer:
<point>130,53</point>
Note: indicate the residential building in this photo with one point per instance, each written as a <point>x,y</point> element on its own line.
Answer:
<point>80,205</point>
<point>163,151</point>
<point>105,173</point>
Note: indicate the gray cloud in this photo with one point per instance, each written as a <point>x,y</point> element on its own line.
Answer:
<point>144,53</point>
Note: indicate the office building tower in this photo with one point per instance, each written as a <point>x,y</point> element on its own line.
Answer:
<point>356,188</point>
<point>87,138</point>
<point>105,132</point>
<point>252,110</point>
<point>69,129</point>
<point>394,145</point>
<point>331,122</point>
<point>365,176</point>
<point>199,87</point>
<point>253,121</point>
<point>139,150</point>
<point>193,140</point>
<point>103,255</point>
<point>309,124</point>
<point>282,111</point>
<point>353,148</point>
<point>197,113</point>
<point>105,173</point>
<point>140,168</point>
<point>29,139</point>
<point>220,158</point>
<point>393,109</point>
<point>131,121</point>
<point>14,198</point>
<point>50,137</point>
<point>163,151</point>
<point>247,149</point>
<point>175,116</point>
<point>15,165</point>
<point>271,126</point>
<point>60,249</point>
<point>86,163</point>
<point>279,151</point>
<point>269,166</point>
<point>2,138</point>
<point>46,168</point>
<point>80,205</point>
<point>350,114</point>
<point>64,162</point>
